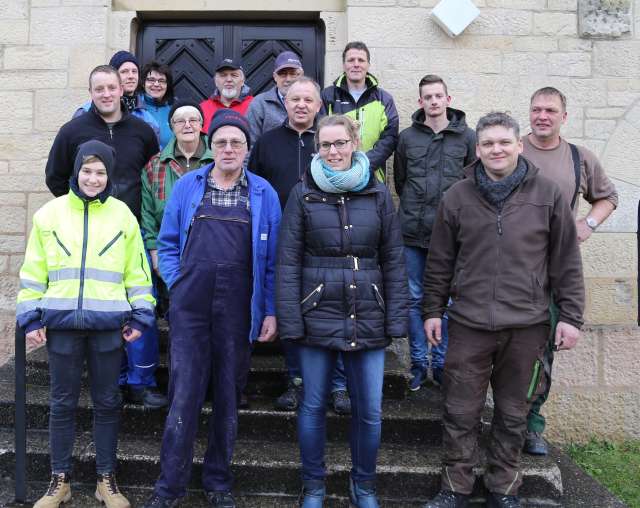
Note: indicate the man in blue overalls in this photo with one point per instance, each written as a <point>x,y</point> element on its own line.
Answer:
<point>216,250</point>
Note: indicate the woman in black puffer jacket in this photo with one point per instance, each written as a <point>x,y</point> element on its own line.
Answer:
<point>340,287</point>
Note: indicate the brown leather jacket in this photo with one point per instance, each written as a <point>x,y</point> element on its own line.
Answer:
<point>500,268</point>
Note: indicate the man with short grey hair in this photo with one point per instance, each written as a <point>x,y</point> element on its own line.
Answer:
<point>504,239</point>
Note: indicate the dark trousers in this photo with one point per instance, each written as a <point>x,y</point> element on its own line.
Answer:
<point>209,344</point>
<point>68,351</point>
<point>507,360</point>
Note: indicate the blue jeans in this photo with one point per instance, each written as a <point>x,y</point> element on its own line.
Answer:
<point>292,363</point>
<point>68,351</point>
<point>364,372</point>
<point>415,260</point>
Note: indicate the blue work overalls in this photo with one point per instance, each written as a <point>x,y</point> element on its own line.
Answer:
<point>209,319</point>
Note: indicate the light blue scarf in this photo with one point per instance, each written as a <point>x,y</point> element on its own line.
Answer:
<point>353,179</point>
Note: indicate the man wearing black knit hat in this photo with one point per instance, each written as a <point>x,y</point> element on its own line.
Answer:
<point>216,250</point>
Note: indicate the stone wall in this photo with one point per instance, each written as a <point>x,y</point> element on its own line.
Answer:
<point>47,48</point>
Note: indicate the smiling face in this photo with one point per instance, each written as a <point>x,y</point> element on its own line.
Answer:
<point>336,158</point>
<point>106,92</point>
<point>129,76</point>
<point>434,100</point>
<point>546,116</point>
<point>229,82</point>
<point>155,85</point>
<point>186,124</point>
<point>498,148</point>
<point>285,77</point>
<point>92,177</point>
<point>303,104</point>
<point>356,65</point>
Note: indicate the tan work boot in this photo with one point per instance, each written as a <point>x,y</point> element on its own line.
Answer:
<point>107,492</point>
<point>59,492</point>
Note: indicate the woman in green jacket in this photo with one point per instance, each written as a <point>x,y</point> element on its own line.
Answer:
<point>85,286</point>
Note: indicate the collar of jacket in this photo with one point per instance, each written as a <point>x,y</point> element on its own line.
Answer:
<point>95,112</point>
<point>245,91</point>
<point>168,152</point>
<point>370,80</point>
<point>456,117</point>
<point>469,171</point>
<point>77,202</point>
<point>311,130</point>
<point>255,185</point>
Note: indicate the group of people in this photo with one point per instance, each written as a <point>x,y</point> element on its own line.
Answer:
<point>260,217</point>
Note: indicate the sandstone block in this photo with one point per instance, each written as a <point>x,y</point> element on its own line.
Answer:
<point>529,5</point>
<point>120,29</point>
<point>36,167</point>
<point>20,104</point>
<point>625,218</point>
<point>335,30</point>
<point>4,263</point>
<point>56,107</point>
<point>524,64</point>
<point>15,263</point>
<point>19,80</point>
<point>13,199</point>
<point>562,5</point>
<point>411,28</point>
<point>555,23</point>
<point>12,243</point>
<point>12,147</point>
<point>13,219</point>
<point>603,18</point>
<point>579,91</point>
<point>535,44</point>
<point>82,59</point>
<point>579,366</point>
<point>4,167</point>
<point>621,356</point>
<point>609,255</point>
<point>389,59</point>
<point>595,145</point>
<point>14,9</point>
<point>617,58</point>
<point>36,57</point>
<point>622,156</point>
<point>45,3</point>
<point>574,44</point>
<point>599,129</point>
<point>8,292</point>
<point>605,113</point>
<point>14,31</point>
<point>501,22</point>
<point>570,64</point>
<point>370,3</point>
<point>499,42</point>
<point>632,414</point>
<point>68,25</point>
<point>633,116</point>
<point>611,301</point>
<point>475,61</point>
<point>36,201</point>
<point>23,182</point>
<point>332,66</point>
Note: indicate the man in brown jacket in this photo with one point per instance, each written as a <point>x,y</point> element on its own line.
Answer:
<point>504,239</point>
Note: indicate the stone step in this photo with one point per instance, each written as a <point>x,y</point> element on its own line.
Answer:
<point>266,377</point>
<point>415,420</point>
<point>409,473</point>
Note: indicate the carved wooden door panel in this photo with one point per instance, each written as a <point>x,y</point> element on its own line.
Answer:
<point>192,50</point>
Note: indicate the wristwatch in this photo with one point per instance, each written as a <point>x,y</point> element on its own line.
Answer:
<point>592,223</point>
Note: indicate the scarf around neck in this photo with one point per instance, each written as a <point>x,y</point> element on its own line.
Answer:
<point>353,179</point>
<point>496,192</point>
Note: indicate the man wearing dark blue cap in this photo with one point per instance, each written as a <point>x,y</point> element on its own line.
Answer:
<point>267,110</point>
<point>231,91</point>
<point>217,249</point>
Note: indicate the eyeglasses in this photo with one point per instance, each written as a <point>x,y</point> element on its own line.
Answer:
<point>288,72</point>
<point>221,144</point>
<point>181,122</point>
<point>325,146</point>
<point>156,81</point>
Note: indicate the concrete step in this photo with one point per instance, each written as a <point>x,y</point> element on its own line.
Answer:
<point>415,420</point>
<point>266,377</point>
<point>405,472</point>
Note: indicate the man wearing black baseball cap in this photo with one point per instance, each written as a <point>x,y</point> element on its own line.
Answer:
<point>267,110</point>
<point>231,91</point>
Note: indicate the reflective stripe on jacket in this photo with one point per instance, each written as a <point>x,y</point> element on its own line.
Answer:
<point>85,267</point>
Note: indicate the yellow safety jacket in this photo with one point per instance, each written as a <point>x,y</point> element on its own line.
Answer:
<point>85,267</point>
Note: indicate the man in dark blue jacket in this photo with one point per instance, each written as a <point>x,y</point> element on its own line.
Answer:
<point>217,249</point>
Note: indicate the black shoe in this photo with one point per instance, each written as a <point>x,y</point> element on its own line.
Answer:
<point>290,399</point>
<point>418,377</point>
<point>502,501</point>
<point>147,396</point>
<point>437,375</point>
<point>448,499</point>
<point>220,499</point>
<point>341,402</point>
<point>155,501</point>
<point>534,444</point>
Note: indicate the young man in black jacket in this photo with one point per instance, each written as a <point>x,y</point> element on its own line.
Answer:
<point>135,143</point>
<point>429,159</point>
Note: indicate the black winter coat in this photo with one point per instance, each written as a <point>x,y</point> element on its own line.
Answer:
<point>425,165</point>
<point>134,142</point>
<point>340,279</point>
<point>281,156</point>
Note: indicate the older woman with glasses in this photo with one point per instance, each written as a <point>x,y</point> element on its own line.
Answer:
<point>186,150</point>
<point>157,88</point>
<point>340,287</point>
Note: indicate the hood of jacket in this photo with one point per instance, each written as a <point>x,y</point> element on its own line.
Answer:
<point>457,120</point>
<point>103,152</point>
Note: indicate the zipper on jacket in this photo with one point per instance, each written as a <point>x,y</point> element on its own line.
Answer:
<point>110,132</point>
<point>111,242</point>
<point>316,290</point>
<point>377,290</point>
<point>142,266</point>
<point>500,222</point>
<point>84,253</point>
<point>66,251</point>
<point>300,147</point>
